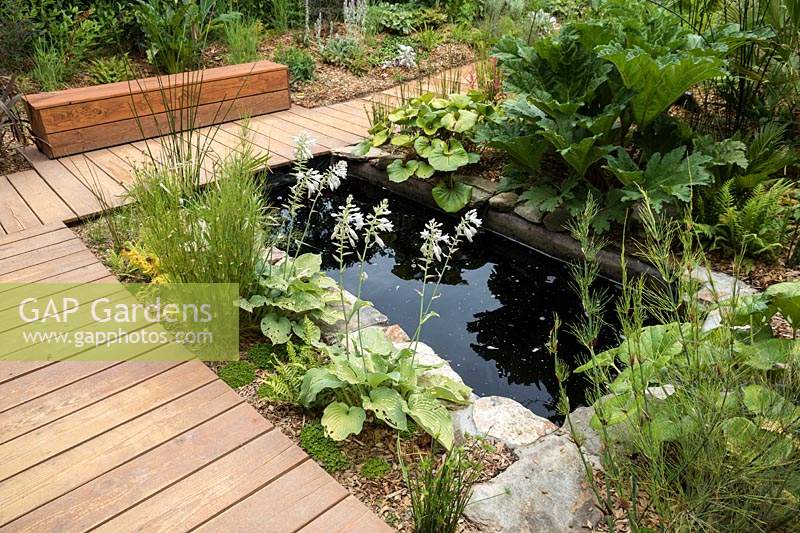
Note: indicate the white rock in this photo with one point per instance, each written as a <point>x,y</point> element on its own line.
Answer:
<point>509,421</point>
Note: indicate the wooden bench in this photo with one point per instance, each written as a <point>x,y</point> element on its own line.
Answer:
<point>82,119</point>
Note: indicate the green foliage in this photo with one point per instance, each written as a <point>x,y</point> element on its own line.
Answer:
<point>386,382</point>
<point>109,69</point>
<point>322,448</point>
<point>347,52</point>
<point>434,130</point>
<point>405,19</point>
<point>286,378</point>
<point>17,34</point>
<point>428,39</point>
<point>238,373</point>
<point>261,355</point>
<point>440,490</point>
<point>242,37</point>
<point>375,468</point>
<point>754,224</point>
<point>49,68</point>
<point>213,235</point>
<point>176,31</point>
<point>300,63</point>
<point>701,415</point>
<point>290,296</point>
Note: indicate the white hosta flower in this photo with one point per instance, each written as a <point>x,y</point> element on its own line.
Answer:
<point>469,225</point>
<point>349,220</point>
<point>432,239</point>
<point>315,181</point>
<point>337,174</point>
<point>303,146</point>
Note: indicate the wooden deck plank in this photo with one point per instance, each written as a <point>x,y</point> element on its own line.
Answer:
<point>58,475</point>
<point>319,128</point>
<point>62,434</point>
<point>347,516</point>
<point>214,488</point>
<point>17,247</point>
<point>42,200</point>
<point>11,370</point>
<point>287,504</point>
<point>40,256</point>
<point>118,169</point>
<point>53,377</point>
<point>71,191</point>
<point>335,122</point>
<point>15,214</point>
<point>95,179</point>
<point>357,119</point>
<point>104,497</point>
<point>91,389</point>
<point>272,128</point>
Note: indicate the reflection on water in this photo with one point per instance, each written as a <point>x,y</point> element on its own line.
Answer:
<point>497,302</point>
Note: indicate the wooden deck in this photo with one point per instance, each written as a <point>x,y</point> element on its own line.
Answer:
<point>143,445</point>
<point>156,446</point>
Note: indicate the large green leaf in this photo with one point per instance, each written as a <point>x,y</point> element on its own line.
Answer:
<point>460,121</point>
<point>254,302</point>
<point>340,420</point>
<point>315,381</point>
<point>277,328</point>
<point>658,82</point>
<point>399,171</point>
<point>452,199</point>
<point>447,157</point>
<point>785,297</point>
<point>307,264</point>
<point>444,388</point>
<point>388,406</point>
<point>432,416</point>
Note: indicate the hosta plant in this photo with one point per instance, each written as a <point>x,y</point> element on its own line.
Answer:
<point>389,384</point>
<point>290,293</point>
<point>436,134</point>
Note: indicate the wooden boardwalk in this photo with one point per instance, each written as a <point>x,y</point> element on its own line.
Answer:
<point>156,446</point>
<point>143,445</point>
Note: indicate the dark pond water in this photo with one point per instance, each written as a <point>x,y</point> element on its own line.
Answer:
<point>497,302</point>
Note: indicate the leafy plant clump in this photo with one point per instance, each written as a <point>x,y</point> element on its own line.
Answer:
<point>345,52</point>
<point>261,355</point>
<point>110,69</point>
<point>437,132</point>
<point>299,62</point>
<point>284,382</point>
<point>440,490</point>
<point>238,373</point>
<point>322,448</point>
<point>375,468</point>
<point>242,37</point>
<point>390,384</point>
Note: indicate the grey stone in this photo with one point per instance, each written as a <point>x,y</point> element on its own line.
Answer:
<point>384,160</point>
<point>396,334</point>
<point>366,317</point>
<point>478,198</point>
<point>578,428</point>
<point>544,491</point>
<point>479,183</point>
<point>272,255</point>
<point>557,219</point>
<point>346,152</point>
<point>529,213</point>
<point>463,424</point>
<point>508,421</point>
<point>504,201</point>
<point>718,287</point>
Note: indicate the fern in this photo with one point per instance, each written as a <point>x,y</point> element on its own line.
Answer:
<point>283,385</point>
<point>755,226</point>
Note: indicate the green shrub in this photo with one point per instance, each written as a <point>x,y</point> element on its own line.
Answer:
<point>214,235</point>
<point>300,63</point>
<point>238,373</point>
<point>176,31</point>
<point>440,490</point>
<point>405,19</point>
<point>109,69</point>
<point>242,37</point>
<point>323,449</point>
<point>50,69</point>
<point>17,35</point>
<point>345,52</point>
<point>375,468</point>
<point>698,416</point>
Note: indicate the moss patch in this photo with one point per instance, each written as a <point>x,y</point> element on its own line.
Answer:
<point>261,355</point>
<point>375,468</point>
<point>238,373</point>
<point>322,448</point>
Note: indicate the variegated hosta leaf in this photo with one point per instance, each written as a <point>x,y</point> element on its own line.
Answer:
<point>388,405</point>
<point>372,340</point>
<point>307,265</point>
<point>444,388</point>
<point>340,420</point>
<point>315,381</point>
<point>431,416</point>
<point>276,328</point>
<point>349,369</point>
<point>254,302</point>
<point>298,302</point>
